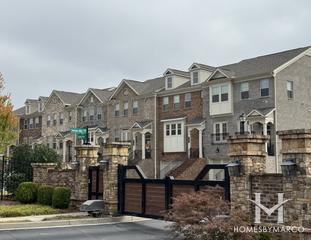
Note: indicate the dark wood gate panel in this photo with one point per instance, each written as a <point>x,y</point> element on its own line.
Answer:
<point>152,197</point>
<point>95,181</point>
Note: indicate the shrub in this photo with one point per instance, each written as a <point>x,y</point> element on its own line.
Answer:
<point>61,197</point>
<point>27,192</point>
<point>13,180</point>
<point>205,215</point>
<point>45,195</point>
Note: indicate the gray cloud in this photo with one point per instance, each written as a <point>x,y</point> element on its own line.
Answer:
<point>73,45</point>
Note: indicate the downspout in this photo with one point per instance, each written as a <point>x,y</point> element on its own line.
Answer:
<point>275,127</point>
<point>155,135</point>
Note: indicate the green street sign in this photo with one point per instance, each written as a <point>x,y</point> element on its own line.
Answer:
<point>80,132</point>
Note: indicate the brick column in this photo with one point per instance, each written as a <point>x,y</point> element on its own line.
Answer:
<point>87,156</point>
<point>115,154</point>
<point>296,145</point>
<point>250,150</point>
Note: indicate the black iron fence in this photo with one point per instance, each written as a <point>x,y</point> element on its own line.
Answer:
<point>12,173</point>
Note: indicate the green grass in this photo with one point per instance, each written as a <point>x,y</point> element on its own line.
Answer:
<point>21,210</point>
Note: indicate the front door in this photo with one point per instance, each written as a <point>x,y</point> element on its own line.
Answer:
<point>95,183</point>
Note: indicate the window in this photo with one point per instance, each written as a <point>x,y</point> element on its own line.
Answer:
<point>244,90</point>
<point>37,122</point>
<point>220,132</point>
<point>188,100</point>
<point>25,124</point>
<point>168,129</point>
<point>176,102</point>
<point>31,123</point>
<point>70,116</point>
<point>61,118</point>
<point>195,77</point>
<point>60,145</point>
<point>165,104</point>
<point>125,109</point>
<point>125,135</point>
<point>28,109</point>
<point>264,87</point>
<point>84,117</point>
<point>135,107</point>
<point>40,107</point>
<point>215,94</point>
<point>173,129</point>
<point>54,145</point>
<point>116,135</point>
<point>48,121</point>
<point>92,113</point>
<point>290,89</point>
<point>92,99</point>
<point>169,82</point>
<point>55,119</point>
<point>179,129</point>
<point>99,113</point>
<point>117,110</point>
<point>224,93</point>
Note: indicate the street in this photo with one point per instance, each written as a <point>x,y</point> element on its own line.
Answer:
<point>143,230</point>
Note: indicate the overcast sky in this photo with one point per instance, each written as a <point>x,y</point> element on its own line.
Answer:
<point>72,45</point>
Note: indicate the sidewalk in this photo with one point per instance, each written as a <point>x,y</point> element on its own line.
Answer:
<point>69,219</point>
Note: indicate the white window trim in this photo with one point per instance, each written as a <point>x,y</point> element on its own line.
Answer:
<point>219,94</point>
<point>196,71</point>
<point>220,131</point>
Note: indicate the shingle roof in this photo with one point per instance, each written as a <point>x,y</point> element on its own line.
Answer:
<point>103,94</point>
<point>179,72</point>
<point>204,66</point>
<point>147,86</point>
<point>261,64</point>
<point>20,111</point>
<point>70,98</point>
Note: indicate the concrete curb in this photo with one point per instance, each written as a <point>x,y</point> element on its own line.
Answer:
<point>67,223</point>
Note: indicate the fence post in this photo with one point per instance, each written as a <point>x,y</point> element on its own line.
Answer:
<point>168,192</point>
<point>2,178</point>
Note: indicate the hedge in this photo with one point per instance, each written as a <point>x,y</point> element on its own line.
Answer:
<point>45,195</point>
<point>61,197</point>
<point>27,192</point>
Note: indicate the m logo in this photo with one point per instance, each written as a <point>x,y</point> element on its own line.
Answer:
<point>269,211</point>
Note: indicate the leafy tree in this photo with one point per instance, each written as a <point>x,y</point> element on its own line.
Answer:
<point>204,215</point>
<point>8,122</point>
<point>44,154</point>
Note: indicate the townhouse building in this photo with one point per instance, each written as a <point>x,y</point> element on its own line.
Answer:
<point>180,116</point>
<point>61,114</point>
<point>92,113</point>
<point>131,119</point>
<point>261,95</point>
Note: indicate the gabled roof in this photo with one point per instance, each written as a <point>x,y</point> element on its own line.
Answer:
<point>68,98</point>
<point>260,65</point>
<point>176,72</point>
<point>260,112</point>
<point>201,66</point>
<point>102,95</point>
<point>142,88</point>
<point>141,124</point>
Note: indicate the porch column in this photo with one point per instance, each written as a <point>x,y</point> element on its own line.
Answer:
<point>94,138</point>
<point>134,146</point>
<point>189,141</point>
<point>265,133</point>
<point>64,150</point>
<point>143,145</point>
<point>200,144</point>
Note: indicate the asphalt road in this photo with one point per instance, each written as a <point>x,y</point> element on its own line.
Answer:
<point>143,230</point>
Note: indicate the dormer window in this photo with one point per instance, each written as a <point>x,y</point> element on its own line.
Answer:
<point>169,82</point>
<point>92,99</point>
<point>195,77</point>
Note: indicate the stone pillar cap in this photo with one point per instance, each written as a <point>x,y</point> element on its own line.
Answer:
<point>43,164</point>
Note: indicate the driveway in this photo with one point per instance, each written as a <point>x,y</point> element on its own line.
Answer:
<point>143,230</point>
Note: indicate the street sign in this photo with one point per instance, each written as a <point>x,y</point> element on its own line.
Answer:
<point>80,132</point>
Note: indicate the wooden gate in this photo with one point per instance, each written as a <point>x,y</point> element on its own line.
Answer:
<point>95,183</point>
<point>152,197</point>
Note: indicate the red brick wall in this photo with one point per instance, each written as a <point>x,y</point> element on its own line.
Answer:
<point>194,111</point>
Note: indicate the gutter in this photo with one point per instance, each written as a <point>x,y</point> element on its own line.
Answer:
<point>155,135</point>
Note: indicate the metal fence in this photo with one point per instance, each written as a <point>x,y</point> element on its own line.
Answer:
<point>12,173</point>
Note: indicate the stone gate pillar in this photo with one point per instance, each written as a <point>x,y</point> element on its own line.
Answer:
<point>115,154</point>
<point>86,155</point>
<point>250,151</point>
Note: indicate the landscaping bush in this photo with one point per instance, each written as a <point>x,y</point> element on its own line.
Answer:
<point>45,195</point>
<point>61,197</point>
<point>27,192</point>
<point>204,215</point>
